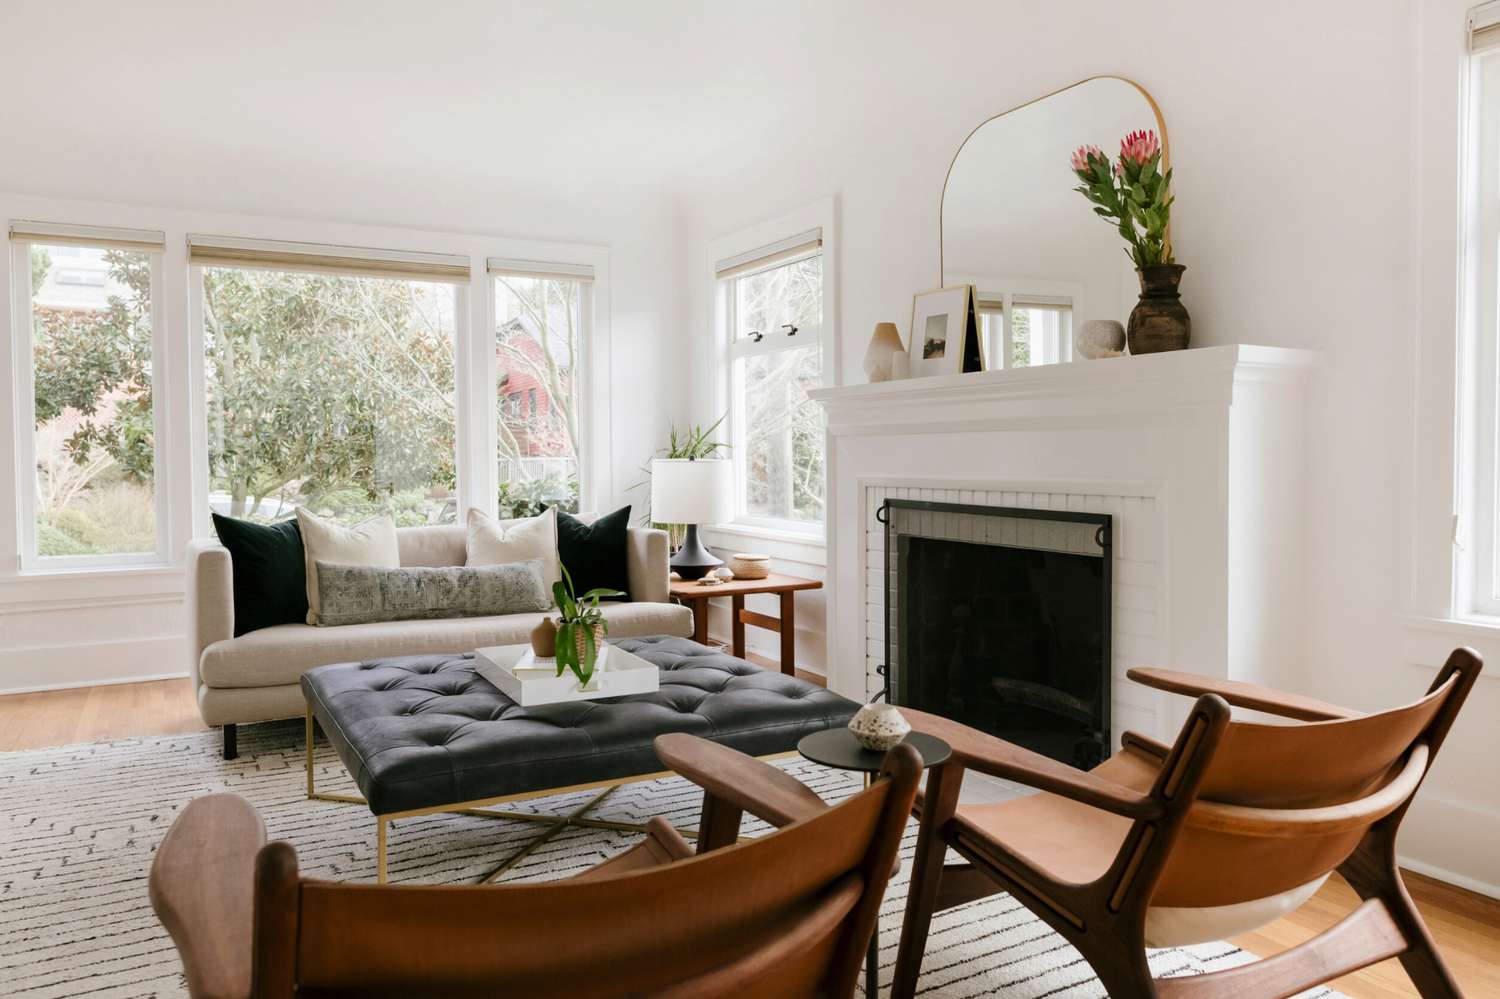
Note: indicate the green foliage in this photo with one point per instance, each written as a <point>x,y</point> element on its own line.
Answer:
<point>41,263</point>
<point>578,617</point>
<point>55,541</point>
<point>530,497</point>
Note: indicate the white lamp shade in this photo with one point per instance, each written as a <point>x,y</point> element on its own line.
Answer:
<point>700,491</point>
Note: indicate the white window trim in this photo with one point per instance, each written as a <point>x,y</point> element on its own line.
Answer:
<point>23,382</point>
<point>181,455</point>
<point>723,351</point>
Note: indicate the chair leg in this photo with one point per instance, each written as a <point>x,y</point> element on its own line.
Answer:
<point>231,742</point>
<point>1372,872</point>
<point>938,802</point>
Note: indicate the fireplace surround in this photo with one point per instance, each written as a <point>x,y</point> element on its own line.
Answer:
<point>1000,617</point>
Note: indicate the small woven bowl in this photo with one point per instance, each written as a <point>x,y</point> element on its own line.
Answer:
<point>750,566</point>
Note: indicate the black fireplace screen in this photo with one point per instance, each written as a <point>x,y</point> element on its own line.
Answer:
<point>1000,618</point>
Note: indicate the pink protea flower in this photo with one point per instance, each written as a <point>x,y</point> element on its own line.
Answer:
<point>1138,148</point>
<point>1082,155</point>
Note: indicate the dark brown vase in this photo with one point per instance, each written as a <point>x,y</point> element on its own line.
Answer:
<point>1159,321</point>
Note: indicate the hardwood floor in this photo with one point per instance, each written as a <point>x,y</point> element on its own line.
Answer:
<point>1466,925</point>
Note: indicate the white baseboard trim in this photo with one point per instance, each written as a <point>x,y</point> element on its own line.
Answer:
<point>1452,877</point>
<point>91,683</point>
<point>63,665</point>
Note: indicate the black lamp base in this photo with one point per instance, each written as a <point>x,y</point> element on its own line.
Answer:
<point>692,560</point>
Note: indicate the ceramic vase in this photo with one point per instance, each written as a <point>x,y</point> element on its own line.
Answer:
<point>879,726</point>
<point>884,343</point>
<point>1159,321</point>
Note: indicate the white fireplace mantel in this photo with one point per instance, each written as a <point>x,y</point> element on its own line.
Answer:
<point>1197,454</point>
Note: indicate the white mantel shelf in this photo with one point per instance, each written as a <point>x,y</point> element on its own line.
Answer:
<point>1082,393</point>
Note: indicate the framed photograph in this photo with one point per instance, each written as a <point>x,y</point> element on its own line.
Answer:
<point>944,336</point>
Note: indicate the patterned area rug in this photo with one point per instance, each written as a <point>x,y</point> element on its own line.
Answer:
<point>80,824</point>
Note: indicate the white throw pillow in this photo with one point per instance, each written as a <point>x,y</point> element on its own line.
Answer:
<point>370,543</point>
<point>500,542</point>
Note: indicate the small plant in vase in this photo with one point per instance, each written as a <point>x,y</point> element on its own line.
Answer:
<point>1134,195</point>
<point>580,628</point>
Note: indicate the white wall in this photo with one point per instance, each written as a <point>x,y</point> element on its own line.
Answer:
<point>1303,221</point>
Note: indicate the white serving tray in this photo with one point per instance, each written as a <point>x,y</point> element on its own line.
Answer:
<point>617,673</point>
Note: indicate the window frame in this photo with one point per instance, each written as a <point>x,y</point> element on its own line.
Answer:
<point>729,350</point>
<point>178,374</point>
<point>23,380</point>
<point>202,525</point>
<point>1003,301</point>
<point>594,463</point>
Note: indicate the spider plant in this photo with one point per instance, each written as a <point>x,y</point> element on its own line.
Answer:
<point>692,444</point>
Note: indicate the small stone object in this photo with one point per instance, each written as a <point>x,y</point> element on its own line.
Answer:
<point>749,565</point>
<point>711,580</point>
<point>1099,338</point>
<point>883,346</point>
<point>544,639</point>
<point>879,727</point>
<point>724,572</point>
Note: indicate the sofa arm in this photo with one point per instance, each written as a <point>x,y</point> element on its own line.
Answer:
<point>210,593</point>
<point>646,564</point>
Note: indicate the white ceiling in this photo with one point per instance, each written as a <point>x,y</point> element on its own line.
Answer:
<point>539,96</point>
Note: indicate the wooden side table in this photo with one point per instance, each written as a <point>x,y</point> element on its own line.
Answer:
<point>697,597</point>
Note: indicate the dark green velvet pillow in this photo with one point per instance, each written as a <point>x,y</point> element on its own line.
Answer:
<point>595,553</point>
<point>270,573</point>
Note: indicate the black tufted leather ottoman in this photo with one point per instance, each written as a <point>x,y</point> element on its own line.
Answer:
<point>427,732</point>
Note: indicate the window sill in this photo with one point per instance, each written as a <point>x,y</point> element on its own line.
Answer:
<point>795,546</point>
<point>1428,640</point>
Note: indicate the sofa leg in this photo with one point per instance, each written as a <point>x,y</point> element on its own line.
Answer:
<point>231,742</point>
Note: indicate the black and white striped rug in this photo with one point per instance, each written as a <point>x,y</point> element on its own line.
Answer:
<point>79,825</point>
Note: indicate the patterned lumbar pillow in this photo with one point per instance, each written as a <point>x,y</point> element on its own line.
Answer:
<point>357,594</point>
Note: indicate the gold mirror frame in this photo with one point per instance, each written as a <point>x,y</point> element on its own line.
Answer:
<point>1161,130</point>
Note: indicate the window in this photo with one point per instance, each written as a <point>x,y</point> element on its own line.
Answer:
<point>541,318</point>
<point>1022,331</point>
<point>328,385</point>
<point>773,311</point>
<point>1478,580</point>
<point>87,379</point>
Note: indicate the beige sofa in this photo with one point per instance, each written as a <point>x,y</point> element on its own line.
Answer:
<point>255,677</point>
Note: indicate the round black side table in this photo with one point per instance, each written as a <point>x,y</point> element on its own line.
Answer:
<point>837,748</point>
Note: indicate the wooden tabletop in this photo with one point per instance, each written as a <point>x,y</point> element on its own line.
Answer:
<point>691,589</point>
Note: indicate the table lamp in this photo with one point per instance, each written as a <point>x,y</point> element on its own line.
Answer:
<point>692,491</point>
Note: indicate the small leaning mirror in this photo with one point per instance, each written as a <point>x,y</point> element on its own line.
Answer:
<point>1041,262</point>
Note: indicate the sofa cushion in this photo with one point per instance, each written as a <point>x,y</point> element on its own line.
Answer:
<point>356,594</point>
<point>594,554</point>
<point>439,544</point>
<point>282,654</point>
<point>370,543</point>
<point>498,542</point>
<point>270,578</point>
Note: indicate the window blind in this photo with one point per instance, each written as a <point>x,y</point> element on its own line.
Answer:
<point>763,257</point>
<point>1051,303</point>
<point>267,254</point>
<point>1484,27</point>
<point>506,267</point>
<point>106,237</point>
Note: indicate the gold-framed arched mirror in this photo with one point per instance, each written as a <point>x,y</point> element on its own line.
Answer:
<point>1011,224</point>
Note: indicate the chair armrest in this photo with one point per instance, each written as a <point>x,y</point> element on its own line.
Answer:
<point>646,564</point>
<point>662,845</point>
<point>203,890</point>
<point>738,780</point>
<point>210,593</point>
<point>979,751</point>
<point>1241,695</point>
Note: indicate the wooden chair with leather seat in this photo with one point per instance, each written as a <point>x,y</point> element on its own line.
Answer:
<point>1229,828</point>
<point>786,914</point>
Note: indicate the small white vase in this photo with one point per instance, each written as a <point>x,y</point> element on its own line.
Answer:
<point>879,726</point>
